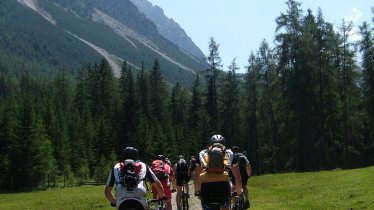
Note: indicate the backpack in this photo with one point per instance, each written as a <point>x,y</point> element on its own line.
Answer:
<point>216,155</point>
<point>129,174</point>
<point>215,163</point>
<point>242,163</point>
<point>182,167</point>
<point>158,168</point>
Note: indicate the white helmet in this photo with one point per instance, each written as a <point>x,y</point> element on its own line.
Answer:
<point>217,139</point>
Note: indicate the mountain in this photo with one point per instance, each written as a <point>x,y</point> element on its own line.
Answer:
<point>168,27</point>
<point>43,35</point>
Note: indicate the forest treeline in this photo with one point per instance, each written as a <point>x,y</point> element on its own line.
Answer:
<point>305,105</point>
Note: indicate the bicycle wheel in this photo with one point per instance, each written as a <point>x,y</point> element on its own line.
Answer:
<point>163,205</point>
<point>184,201</point>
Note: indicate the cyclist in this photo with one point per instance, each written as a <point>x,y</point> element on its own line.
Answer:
<point>192,166</point>
<point>212,181</point>
<point>182,174</point>
<point>128,175</point>
<point>245,173</point>
<point>165,174</point>
<point>168,161</point>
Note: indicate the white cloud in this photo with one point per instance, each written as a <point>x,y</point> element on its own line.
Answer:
<point>355,16</point>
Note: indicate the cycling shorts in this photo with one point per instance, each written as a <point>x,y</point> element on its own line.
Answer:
<point>215,192</point>
<point>181,179</point>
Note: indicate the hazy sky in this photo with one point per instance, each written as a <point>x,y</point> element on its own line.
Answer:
<point>239,26</point>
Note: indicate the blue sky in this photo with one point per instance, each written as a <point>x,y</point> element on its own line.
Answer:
<point>239,26</point>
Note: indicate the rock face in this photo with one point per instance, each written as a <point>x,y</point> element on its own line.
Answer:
<point>168,28</point>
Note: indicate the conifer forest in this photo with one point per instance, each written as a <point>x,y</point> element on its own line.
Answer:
<point>304,104</point>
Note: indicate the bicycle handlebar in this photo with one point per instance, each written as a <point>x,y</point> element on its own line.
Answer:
<point>157,200</point>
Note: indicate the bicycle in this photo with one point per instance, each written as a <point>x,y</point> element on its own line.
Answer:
<point>185,197</point>
<point>237,202</point>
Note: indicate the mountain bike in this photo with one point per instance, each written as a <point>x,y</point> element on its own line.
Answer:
<point>185,196</point>
<point>237,202</point>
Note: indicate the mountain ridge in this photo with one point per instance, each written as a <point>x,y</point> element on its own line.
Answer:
<point>169,28</point>
<point>116,36</point>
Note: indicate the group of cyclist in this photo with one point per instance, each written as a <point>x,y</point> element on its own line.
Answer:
<point>217,172</point>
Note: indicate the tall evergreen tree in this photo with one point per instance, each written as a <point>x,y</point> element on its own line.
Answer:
<point>157,91</point>
<point>349,94</point>
<point>268,134</point>
<point>367,50</point>
<point>230,122</point>
<point>194,118</point>
<point>289,28</point>
<point>250,118</point>
<point>178,104</point>
<point>214,62</point>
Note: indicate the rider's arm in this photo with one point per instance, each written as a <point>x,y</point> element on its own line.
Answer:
<point>238,178</point>
<point>236,173</point>
<point>109,194</point>
<point>172,178</point>
<point>197,178</point>
<point>109,186</point>
<point>249,169</point>
<point>160,190</point>
<point>151,177</point>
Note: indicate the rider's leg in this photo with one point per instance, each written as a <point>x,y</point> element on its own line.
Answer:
<point>187,188</point>
<point>179,195</point>
<point>245,191</point>
<point>167,192</point>
<point>154,195</point>
<point>168,205</point>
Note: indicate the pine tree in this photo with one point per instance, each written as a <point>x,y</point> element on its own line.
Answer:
<point>367,50</point>
<point>250,118</point>
<point>230,107</point>
<point>349,94</point>
<point>211,107</point>
<point>178,102</point>
<point>157,93</point>
<point>194,118</point>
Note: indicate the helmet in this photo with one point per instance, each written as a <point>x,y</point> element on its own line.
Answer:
<point>130,153</point>
<point>180,157</point>
<point>235,149</point>
<point>217,139</point>
<point>160,157</point>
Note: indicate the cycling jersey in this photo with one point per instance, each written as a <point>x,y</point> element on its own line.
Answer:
<point>122,193</point>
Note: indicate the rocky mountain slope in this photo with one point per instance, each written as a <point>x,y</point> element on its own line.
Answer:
<point>114,29</point>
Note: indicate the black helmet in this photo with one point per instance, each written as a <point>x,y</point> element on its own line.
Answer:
<point>130,153</point>
<point>235,149</point>
<point>217,139</point>
<point>160,157</point>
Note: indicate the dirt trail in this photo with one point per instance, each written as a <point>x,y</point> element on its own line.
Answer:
<point>194,202</point>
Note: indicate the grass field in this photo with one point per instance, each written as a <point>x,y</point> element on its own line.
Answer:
<point>338,189</point>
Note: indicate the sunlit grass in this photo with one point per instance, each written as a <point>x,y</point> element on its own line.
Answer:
<point>84,197</point>
<point>339,189</point>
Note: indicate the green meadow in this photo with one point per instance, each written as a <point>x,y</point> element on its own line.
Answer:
<point>337,189</point>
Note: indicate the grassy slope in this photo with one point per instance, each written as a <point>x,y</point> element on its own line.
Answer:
<point>341,189</point>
